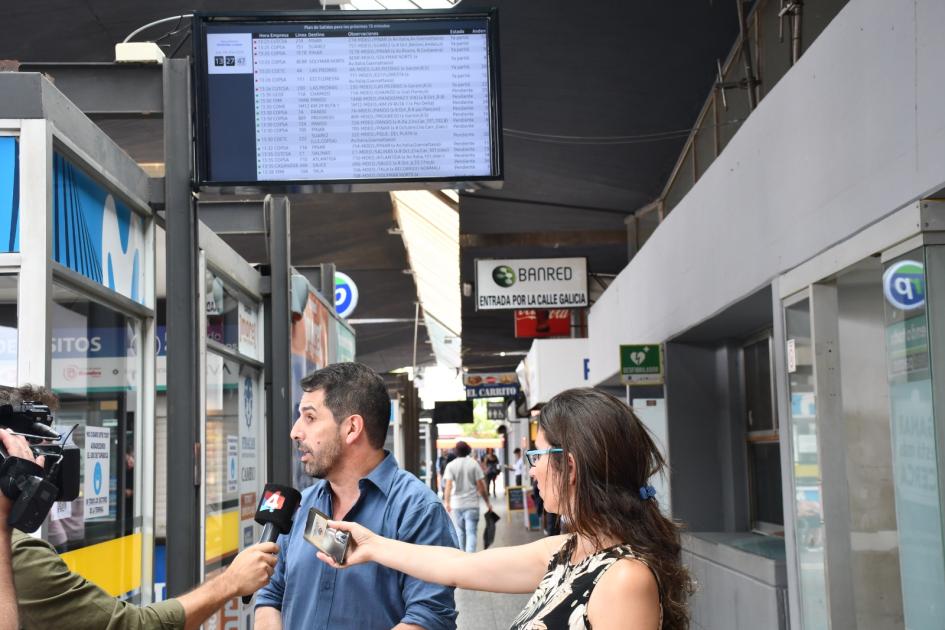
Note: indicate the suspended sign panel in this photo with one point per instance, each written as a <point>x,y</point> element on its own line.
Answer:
<point>493,385</point>
<point>315,99</point>
<point>557,283</point>
<point>539,323</point>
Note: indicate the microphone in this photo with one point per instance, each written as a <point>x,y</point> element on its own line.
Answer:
<point>275,512</point>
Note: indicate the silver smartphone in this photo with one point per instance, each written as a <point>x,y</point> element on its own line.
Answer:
<point>332,541</point>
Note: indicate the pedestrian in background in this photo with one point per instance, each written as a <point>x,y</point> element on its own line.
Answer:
<point>519,466</point>
<point>464,485</point>
<point>491,463</point>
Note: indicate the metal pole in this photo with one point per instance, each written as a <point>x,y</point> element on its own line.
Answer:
<point>184,380</point>
<point>746,56</point>
<point>278,351</point>
<point>796,31</point>
<point>416,331</point>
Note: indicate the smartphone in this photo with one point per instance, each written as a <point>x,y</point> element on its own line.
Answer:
<point>332,541</point>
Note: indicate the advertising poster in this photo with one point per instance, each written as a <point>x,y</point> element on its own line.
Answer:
<point>9,195</point>
<point>248,331</point>
<point>92,358</point>
<point>232,464</point>
<point>249,413</point>
<point>96,234</point>
<point>97,467</point>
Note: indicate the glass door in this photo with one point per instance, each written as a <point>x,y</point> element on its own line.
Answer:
<point>910,348</point>
<point>809,505</point>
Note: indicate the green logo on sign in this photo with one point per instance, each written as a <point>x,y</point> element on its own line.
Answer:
<point>504,276</point>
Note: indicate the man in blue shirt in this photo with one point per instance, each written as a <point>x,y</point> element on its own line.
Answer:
<point>343,419</point>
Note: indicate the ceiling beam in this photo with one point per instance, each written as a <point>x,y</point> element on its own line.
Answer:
<point>545,239</point>
<point>107,89</point>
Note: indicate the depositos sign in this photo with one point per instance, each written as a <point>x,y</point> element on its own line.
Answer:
<point>531,283</point>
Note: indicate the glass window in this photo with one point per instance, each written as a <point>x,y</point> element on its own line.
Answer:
<point>807,477</point>
<point>232,463</point>
<point>763,444</point>
<point>758,386</point>
<point>231,321</point>
<point>8,337</point>
<point>221,452</point>
<point>912,392</point>
<point>96,371</point>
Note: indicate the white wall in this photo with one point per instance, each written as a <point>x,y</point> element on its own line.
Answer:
<point>852,133</point>
<point>552,366</point>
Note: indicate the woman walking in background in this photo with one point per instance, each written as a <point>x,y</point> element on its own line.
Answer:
<point>491,464</point>
<point>619,568</point>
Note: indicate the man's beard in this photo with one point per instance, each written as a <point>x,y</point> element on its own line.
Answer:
<point>321,463</point>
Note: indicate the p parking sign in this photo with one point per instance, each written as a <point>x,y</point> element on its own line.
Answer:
<point>641,364</point>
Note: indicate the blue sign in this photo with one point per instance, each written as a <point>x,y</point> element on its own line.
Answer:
<point>97,478</point>
<point>346,294</point>
<point>96,234</point>
<point>904,285</point>
<point>248,401</point>
<point>9,195</point>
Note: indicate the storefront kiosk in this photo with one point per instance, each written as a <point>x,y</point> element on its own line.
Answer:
<point>78,309</point>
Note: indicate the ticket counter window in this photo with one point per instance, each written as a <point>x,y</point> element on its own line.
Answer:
<point>8,326</point>
<point>95,373</point>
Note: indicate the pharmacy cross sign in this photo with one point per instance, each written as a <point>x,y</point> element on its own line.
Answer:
<point>641,364</point>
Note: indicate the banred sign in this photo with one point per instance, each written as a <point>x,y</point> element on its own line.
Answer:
<point>538,323</point>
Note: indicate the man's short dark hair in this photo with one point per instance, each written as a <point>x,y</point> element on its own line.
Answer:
<point>517,451</point>
<point>354,388</point>
<point>462,449</point>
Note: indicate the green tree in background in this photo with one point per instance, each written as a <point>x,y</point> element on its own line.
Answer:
<point>481,425</point>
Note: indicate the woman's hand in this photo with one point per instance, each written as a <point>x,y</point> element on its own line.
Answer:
<point>362,542</point>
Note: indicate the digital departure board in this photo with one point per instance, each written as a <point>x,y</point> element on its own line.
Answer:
<point>395,99</point>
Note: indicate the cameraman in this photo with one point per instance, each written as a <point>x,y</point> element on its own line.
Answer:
<point>48,594</point>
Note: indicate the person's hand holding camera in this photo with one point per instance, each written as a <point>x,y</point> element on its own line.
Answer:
<point>361,544</point>
<point>15,446</point>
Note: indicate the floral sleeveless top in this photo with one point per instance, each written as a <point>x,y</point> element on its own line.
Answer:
<point>560,601</point>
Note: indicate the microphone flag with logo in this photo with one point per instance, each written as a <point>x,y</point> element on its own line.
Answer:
<point>275,512</point>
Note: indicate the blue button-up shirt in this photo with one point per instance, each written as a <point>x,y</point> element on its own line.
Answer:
<point>312,595</point>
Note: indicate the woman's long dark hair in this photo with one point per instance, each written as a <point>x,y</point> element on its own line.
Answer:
<point>614,456</point>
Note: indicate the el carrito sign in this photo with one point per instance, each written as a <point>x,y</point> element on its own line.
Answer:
<point>531,283</point>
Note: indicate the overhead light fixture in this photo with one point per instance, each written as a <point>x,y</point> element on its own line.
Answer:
<point>138,52</point>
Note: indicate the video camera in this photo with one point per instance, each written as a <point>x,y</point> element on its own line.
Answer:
<point>32,488</point>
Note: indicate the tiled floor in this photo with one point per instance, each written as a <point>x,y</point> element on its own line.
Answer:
<point>493,611</point>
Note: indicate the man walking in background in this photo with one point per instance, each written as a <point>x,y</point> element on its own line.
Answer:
<point>518,467</point>
<point>465,483</point>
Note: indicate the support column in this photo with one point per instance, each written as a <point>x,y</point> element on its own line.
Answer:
<point>184,380</point>
<point>278,352</point>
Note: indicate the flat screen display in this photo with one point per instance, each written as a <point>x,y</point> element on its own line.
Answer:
<point>347,97</point>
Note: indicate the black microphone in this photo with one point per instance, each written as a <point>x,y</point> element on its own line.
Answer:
<point>275,512</point>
